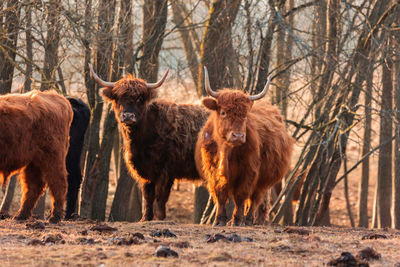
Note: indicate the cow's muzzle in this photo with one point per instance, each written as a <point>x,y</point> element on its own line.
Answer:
<point>237,138</point>
<point>128,117</point>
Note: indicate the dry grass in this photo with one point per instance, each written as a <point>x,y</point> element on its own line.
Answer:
<point>271,246</point>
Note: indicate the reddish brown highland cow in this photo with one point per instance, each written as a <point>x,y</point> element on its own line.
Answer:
<point>242,150</point>
<point>34,133</point>
<point>159,138</point>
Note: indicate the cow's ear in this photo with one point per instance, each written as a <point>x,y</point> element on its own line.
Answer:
<point>107,93</point>
<point>210,103</point>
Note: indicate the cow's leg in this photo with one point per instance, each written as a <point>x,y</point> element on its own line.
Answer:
<point>221,197</point>
<point>257,204</point>
<point>163,189</point>
<point>148,191</point>
<point>74,183</point>
<point>238,213</point>
<point>57,183</point>
<point>32,188</point>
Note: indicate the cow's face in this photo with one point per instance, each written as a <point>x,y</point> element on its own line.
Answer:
<point>231,108</point>
<point>129,97</point>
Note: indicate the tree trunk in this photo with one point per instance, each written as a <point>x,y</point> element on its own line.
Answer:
<point>102,181</point>
<point>29,52</point>
<point>396,181</point>
<point>40,207</point>
<point>366,147</point>
<point>384,182</point>
<point>201,198</point>
<point>154,22</point>
<point>127,189</point>
<point>103,69</point>
<point>265,53</point>
<point>217,50</point>
<point>186,40</point>
<point>8,196</point>
<point>51,45</point>
<point>8,44</point>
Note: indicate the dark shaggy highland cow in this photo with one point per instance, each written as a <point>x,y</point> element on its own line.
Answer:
<point>242,150</point>
<point>159,138</point>
<point>77,131</point>
<point>34,133</point>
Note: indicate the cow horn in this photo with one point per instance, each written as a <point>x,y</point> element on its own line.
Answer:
<point>263,92</point>
<point>207,84</point>
<point>99,80</point>
<point>159,83</point>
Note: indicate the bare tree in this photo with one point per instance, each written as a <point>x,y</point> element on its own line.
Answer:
<point>384,182</point>
<point>8,44</point>
<point>104,53</point>
<point>154,22</point>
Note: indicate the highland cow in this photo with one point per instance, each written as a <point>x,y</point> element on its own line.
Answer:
<point>77,131</point>
<point>159,137</point>
<point>34,133</point>
<point>242,150</point>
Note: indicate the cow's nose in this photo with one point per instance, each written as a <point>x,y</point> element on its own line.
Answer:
<point>235,137</point>
<point>128,117</point>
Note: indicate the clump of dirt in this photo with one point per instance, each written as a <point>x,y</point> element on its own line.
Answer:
<point>347,259</point>
<point>299,231</point>
<point>373,236</point>
<point>103,228</point>
<point>165,251</point>
<point>164,232</point>
<point>35,226</point>
<point>230,238</point>
<point>369,253</point>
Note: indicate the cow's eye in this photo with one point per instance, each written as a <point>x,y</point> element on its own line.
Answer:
<point>223,114</point>
<point>139,100</point>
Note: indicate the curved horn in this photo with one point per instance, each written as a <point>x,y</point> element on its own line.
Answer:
<point>263,92</point>
<point>207,84</point>
<point>98,79</point>
<point>159,83</point>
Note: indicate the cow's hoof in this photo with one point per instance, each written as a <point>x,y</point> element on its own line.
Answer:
<point>220,221</point>
<point>21,217</point>
<point>145,219</point>
<point>54,219</point>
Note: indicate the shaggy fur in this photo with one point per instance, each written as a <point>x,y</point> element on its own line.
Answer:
<point>159,146</point>
<point>243,169</point>
<point>77,131</point>
<point>34,131</point>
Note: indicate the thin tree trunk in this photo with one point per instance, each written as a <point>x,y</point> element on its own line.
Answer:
<point>104,58</point>
<point>396,177</point>
<point>154,22</point>
<point>40,207</point>
<point>216,50</point>
<point>120,209</point>
<point>186,40</point>
<point>8,45</point>
<point>29,52</point>
<point>265,54</point>
<point>8,196</point>
<point>364,182</point>
<point>385,154</point>
<point>51,45</point>
<point>201,198</point>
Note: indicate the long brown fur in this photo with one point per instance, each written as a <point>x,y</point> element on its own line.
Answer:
<point>244,171</point>
<point>159,147</point>
<point>34,134</point>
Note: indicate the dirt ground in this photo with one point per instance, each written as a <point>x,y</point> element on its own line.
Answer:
<point>78,243</point>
